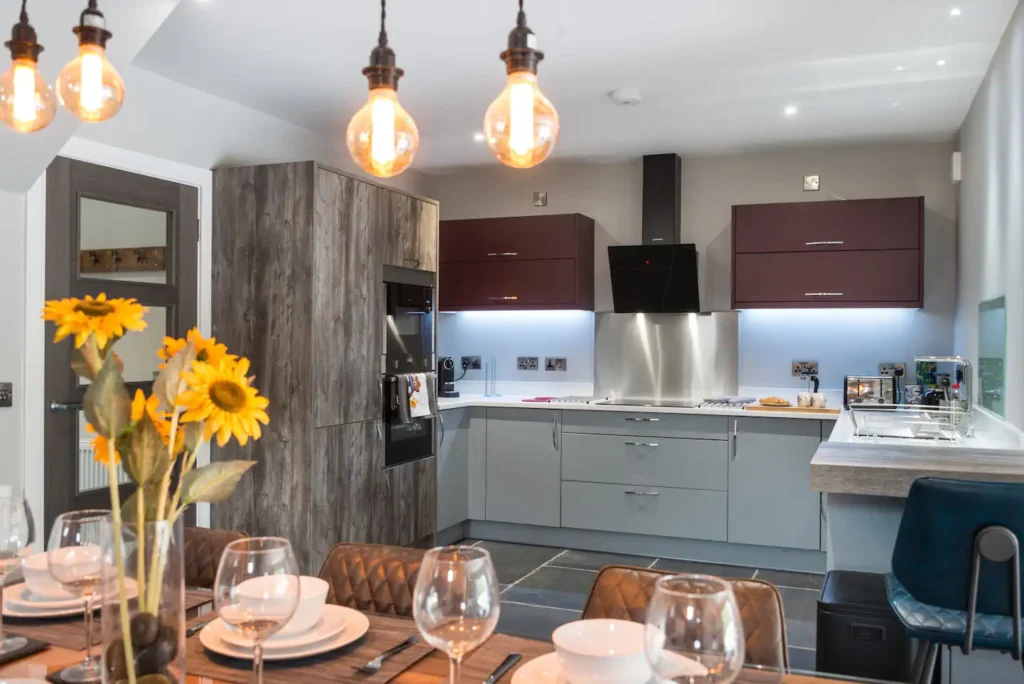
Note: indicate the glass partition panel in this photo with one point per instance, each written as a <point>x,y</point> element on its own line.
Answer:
<point>992,354</point>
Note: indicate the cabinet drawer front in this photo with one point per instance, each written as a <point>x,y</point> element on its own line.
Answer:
<point>683,513</point>
<point>663,461</point>
<point>646,424</point>
<point>511,284</point>
<point>829,226</point>
<point>828,279</point>
<point>509,239</point>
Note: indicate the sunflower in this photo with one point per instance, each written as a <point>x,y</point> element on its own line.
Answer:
<point>101,446</point>
<point>105,319</point>
<point>220,394</point>
<point>141,406</point>
<point>207,350</point>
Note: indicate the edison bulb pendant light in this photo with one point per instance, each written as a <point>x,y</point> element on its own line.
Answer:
<point>89,86</point>
<point>521,125</point>
<point>382,137</point>
<point>27,103</point>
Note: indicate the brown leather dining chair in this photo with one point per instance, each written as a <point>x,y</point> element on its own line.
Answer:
<point>372,578</point>
<point>622,592</point>
<point>203,549</point>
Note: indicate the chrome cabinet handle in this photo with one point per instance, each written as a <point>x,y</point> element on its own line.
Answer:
<point>503,254</point>
<point>554,431</point>
<point>653,445</point>
<point>644,420</point>
<point>823,294</point>
<point>440,417</point>
<point>503,299</point>
<point>64,407</point>
<point>380,434</point>
<point>824,242</point>
<point>633,492</point>
<point>735,425</point>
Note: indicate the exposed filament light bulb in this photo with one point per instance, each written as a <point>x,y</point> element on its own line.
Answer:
<point>89,86</point>
<point>521,125</point>
<point>27,103</point>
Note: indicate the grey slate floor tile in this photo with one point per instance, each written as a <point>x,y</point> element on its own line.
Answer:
<point>727,571</point>
<point>556,587</point>
<point>515,561</point>
<point>796,580</point>
<point>802,659</point>
<point>799,604</point>
<point>801,633</point>
<point>532,622</point>
<point>592,560</point>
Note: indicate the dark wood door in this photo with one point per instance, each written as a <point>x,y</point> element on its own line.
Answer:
<point>548,283</point>
<point>891,223</point>
<point>91,210</point>
<point>792,280</point>
<point>509,239</point>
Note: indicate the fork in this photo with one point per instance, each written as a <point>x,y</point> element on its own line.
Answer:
<point>375,665</point>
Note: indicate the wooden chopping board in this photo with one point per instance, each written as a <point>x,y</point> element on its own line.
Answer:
<point>793,409</point>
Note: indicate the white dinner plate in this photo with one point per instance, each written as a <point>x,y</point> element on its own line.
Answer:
<point>20,602</point>
<point>329,625</point>
<point>547,670</point>
<point>356,625</point>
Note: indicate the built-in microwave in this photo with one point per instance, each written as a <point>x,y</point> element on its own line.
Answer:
<point>409,317</point>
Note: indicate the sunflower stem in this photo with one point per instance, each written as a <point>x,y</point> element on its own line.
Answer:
<point>157,563</point>
<point>177,493</point>
<point>115,500</point>
<point>140,557</point>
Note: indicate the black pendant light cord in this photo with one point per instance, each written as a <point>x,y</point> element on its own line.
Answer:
<point>24,12</point>
<point>521,19</point>
<point>383,38</point>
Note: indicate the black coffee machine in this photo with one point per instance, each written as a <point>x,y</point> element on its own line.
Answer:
<point>447,378</point>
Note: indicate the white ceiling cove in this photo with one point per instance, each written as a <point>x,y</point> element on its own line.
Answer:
<point>716,75</point>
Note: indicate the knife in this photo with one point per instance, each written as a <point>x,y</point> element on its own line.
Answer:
<point>198,626</point>
<point>505,666</point>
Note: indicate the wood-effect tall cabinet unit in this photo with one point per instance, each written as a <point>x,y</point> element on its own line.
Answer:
<point>298,257</point>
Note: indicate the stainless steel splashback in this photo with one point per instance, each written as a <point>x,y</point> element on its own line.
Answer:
<point>666,356</point>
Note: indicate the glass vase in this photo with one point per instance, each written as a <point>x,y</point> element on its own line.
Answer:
<point>152,560</point>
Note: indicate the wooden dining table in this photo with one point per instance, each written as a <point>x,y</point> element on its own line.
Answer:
<point>431,669</point>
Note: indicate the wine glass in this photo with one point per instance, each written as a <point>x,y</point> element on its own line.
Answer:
<point>16,535</point>
<point>456,602</point>
<point>75,559</point>
<point>693,631</point>
<point>257,590</point>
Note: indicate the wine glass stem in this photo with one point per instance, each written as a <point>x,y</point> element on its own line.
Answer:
<point>88,630</point>
<point>454,670</point>
<point>257,663</point>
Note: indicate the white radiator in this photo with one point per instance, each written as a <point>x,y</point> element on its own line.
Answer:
<point>92,474</point>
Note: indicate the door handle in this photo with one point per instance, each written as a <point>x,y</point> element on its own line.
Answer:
<point>823,294</point>
<point>644,420</point>
<point>824,242</point>
<point>65,407</point>
<point>633,492</point>
<point>652,445</point>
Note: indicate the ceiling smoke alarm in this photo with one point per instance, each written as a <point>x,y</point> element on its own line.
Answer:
<point>626,97</point>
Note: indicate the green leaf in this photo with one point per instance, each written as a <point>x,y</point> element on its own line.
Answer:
<point>108,408</point>
<point>193,435</point>
<point>168,385</point>
<point>147,459</point>
<point>213,483</point>
<point>129,509</point>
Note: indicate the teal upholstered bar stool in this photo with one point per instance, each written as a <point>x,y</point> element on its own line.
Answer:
<point>956,571</point>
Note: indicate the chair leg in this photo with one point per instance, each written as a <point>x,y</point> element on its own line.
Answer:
<point>929,666</point>
<point>919,662</point>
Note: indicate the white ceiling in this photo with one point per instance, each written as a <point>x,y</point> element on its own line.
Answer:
<point>715,74</point>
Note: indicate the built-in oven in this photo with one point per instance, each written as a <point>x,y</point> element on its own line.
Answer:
<point>409,318</point>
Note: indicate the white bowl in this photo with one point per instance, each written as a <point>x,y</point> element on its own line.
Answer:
<point>37,576</point>
<point>263,590</point>
<point>602,652</point>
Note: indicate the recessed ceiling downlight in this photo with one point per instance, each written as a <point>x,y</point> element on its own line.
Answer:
<point>791,110</point>
<point>626,97</point>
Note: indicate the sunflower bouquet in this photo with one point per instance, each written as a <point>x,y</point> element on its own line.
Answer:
<point>200,392</point>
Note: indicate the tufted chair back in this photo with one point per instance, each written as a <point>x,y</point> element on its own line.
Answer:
<point>622,592</point>
<point>203,549</point>
<point>372,578</point>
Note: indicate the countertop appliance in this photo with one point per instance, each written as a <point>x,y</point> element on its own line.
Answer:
<point>408,348</point>
<point>869,390</point>
<point>446,381</point>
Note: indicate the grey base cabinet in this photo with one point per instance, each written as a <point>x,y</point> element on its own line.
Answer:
<point>771,502</point>
<point>453,468</point>
<point>524,466</point>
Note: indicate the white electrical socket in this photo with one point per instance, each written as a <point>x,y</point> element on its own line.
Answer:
<point>889,369</point>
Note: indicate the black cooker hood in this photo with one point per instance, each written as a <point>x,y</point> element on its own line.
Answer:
<point>659,276</point>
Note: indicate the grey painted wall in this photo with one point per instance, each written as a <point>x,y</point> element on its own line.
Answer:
<point>990,244</point>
